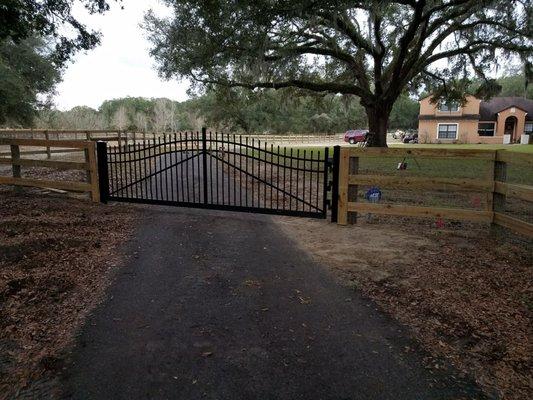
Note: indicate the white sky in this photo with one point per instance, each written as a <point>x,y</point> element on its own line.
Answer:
<point>120,66</point>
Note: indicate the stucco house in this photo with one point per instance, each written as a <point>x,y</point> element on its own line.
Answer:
<point>501,120</point>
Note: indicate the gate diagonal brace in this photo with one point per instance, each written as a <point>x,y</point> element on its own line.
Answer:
<point>266,183</point>
<point>157,172</point>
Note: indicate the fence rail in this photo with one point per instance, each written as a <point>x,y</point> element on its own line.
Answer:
<point>16,162</point>
<point>124,137</point>
<point>493,185</point>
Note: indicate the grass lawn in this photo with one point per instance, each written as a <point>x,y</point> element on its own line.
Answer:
<point>522,148</point>
<point>438,167</point>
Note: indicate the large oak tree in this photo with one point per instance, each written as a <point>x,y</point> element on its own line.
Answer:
<point>37,38</point>
<point>373,49</point>
<point>52,19</point>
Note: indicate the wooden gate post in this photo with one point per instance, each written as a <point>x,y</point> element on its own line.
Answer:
<point>92,172</point>
<point>344,161</point>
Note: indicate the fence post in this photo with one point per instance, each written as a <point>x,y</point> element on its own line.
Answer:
<point>335,184</point>
<point>103,171</point>
<point>90,158</point>
<point>48,152</point>
<point>344,160</point>
<point>500,175</point>
<point>353,189</point>
<point>15,156</point>
<point>204,161</point>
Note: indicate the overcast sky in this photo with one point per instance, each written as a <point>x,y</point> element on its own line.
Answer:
<point>120,66</point>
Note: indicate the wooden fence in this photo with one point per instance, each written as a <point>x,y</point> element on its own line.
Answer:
<point>125,137</point>
<point>16,162</point>
<point>493,184</point>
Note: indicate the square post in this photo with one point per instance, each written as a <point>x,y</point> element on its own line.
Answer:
<point>342,217</point>
<point>204,162</point>
<point>335,184</point>
<point>103,171</point>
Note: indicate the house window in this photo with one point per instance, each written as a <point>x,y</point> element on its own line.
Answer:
<point>528,128</point>
<point>485,129</point>
<point>448,106</point>
<point>447,131</point>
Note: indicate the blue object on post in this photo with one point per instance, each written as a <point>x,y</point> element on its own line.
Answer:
<point>373,194</point>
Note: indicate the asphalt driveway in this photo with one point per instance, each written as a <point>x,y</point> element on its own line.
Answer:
<point>223,306</point>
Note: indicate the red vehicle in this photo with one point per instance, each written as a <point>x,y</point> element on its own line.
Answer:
<point>355,136</point>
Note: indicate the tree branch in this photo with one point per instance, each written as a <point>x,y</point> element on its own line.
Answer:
<point>332,87</point>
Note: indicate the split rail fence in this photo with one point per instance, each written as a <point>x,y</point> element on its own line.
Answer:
<point>494,185</point>
<point>122,137</point>
<point>16,161</point>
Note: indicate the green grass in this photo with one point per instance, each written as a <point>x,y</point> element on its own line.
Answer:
<point>522,148</point>
<point>437,167</point>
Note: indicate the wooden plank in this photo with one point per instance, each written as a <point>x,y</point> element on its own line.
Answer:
<point>515,157</point>
<point>56,131</point>
<point>417,211</point>
<point>523,192</point>
<point>46,163</point>
<point>467,184</point>
<point>514,224</point>
<point>342,216</point>
<point>422,152</point>
<point>32,153</point>
<point>42,183</point>
<point>76,144</point>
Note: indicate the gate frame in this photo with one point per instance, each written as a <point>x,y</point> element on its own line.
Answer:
<point>105,195</point>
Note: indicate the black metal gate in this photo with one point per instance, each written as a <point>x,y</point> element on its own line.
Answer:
<point>220,171</point>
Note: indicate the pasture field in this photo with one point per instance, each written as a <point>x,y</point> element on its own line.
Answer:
<point>445,168</point>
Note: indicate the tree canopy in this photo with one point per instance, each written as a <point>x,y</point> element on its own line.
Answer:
<point>373,49</point>
<point>37,38</point>
<point>27,74</point>
<point>21,19</point>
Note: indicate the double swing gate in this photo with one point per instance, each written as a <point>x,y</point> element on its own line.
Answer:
<point>219,171</point>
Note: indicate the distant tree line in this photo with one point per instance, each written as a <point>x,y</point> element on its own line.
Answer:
<point>239,110</point>
<point>228,110</point>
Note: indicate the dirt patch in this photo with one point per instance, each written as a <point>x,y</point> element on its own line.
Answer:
<point>465,292</point>
<point>57,256</point>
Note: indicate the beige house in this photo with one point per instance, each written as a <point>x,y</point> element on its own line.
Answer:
<point>500,120</point>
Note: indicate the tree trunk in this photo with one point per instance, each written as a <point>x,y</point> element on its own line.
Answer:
<point>378,122</point>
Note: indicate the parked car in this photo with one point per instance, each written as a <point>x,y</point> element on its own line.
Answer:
<point>411,137</point>
<point>355,136</point>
